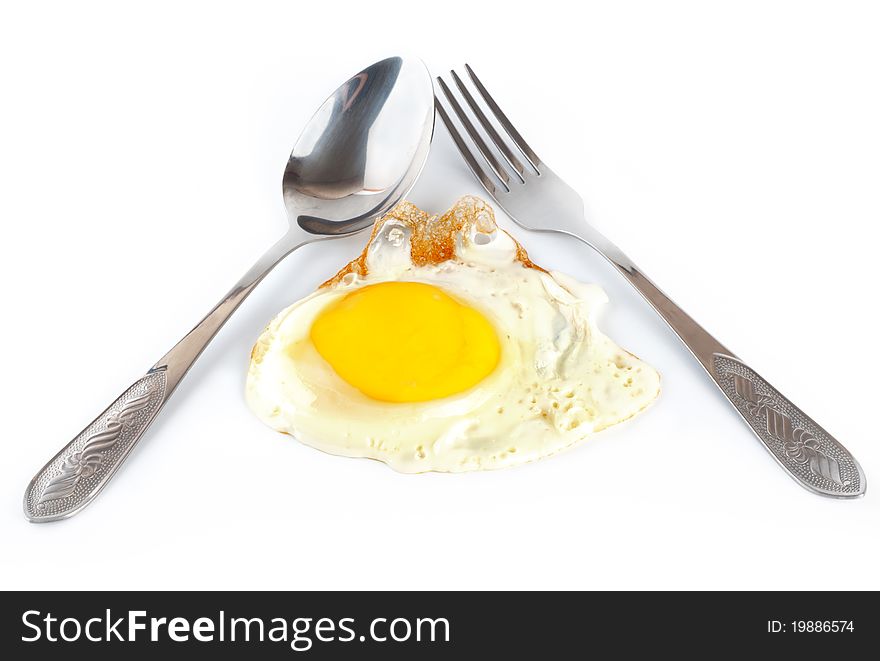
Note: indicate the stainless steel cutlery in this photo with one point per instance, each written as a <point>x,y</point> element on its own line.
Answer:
<point>360,154</point>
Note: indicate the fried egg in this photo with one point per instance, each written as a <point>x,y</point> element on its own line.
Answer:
<point>442,347</point>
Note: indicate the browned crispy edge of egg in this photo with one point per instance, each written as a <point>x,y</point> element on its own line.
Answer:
<point>432,239</point>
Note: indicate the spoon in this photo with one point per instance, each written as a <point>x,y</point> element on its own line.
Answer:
<point>358,156</point>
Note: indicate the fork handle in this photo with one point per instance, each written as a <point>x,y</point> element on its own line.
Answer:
<point>813,457</point>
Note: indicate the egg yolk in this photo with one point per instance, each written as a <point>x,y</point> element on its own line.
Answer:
<point>406,342</point>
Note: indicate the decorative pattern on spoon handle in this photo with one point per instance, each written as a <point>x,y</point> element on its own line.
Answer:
<point>812,456</point>
<point>76,474</point>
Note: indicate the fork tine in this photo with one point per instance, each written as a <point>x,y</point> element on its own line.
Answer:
<point>465,151</point>
<point>502,119</point>
<point>481,145</point>
<point>508,154</point>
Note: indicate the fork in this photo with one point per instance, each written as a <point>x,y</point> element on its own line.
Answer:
<point>536,199</point>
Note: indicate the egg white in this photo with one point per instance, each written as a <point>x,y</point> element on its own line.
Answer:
<point>559,379</point>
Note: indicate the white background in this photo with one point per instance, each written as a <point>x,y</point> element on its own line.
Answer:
<point>732,149</point>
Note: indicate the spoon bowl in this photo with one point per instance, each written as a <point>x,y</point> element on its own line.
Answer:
<point>362,150</point>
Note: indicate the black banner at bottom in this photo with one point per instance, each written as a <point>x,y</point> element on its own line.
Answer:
<point>433,625</point>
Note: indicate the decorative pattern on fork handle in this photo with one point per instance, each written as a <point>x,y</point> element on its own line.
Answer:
<point>793,438</point>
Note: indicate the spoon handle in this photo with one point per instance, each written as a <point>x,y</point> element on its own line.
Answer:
<point>80,470</point>
<point>75,475</point>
